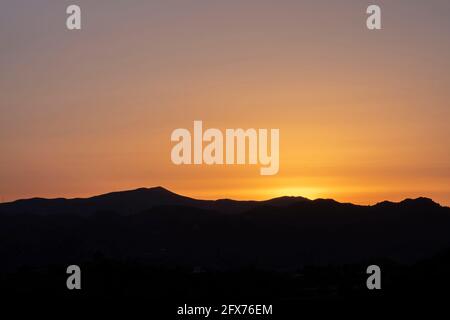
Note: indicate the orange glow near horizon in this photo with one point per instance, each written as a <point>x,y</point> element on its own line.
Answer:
<point>363,116</point>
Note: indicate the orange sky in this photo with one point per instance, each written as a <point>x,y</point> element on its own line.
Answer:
<point>363,115</point>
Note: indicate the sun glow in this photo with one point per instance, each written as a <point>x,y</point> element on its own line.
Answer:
<point>307,192</point>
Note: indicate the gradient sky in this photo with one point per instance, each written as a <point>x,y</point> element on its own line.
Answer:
<point>363,115</point>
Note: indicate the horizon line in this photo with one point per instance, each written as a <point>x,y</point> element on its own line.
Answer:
<point>218,199</point>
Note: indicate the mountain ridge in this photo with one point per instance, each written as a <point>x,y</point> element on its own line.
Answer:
<point>163,228</point>
<point>143,198</point>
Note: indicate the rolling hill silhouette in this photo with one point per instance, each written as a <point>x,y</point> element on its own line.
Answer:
<point>157,235</point>
<point>132,201</point>
<point>158,225</point>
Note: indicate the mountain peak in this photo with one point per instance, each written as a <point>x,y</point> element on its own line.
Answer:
<point>157,188</point>
<point>421,202</point>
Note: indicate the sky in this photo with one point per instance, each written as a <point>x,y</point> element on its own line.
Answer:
<point>363,115</point>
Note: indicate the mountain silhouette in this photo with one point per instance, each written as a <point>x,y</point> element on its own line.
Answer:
<point>132,201</point>
<point>168,241</point>
<point>164,227</point>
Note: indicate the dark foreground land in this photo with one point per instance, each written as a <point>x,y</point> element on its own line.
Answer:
<point>153,244</point>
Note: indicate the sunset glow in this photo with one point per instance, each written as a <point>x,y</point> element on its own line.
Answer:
<point>92,112</point>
